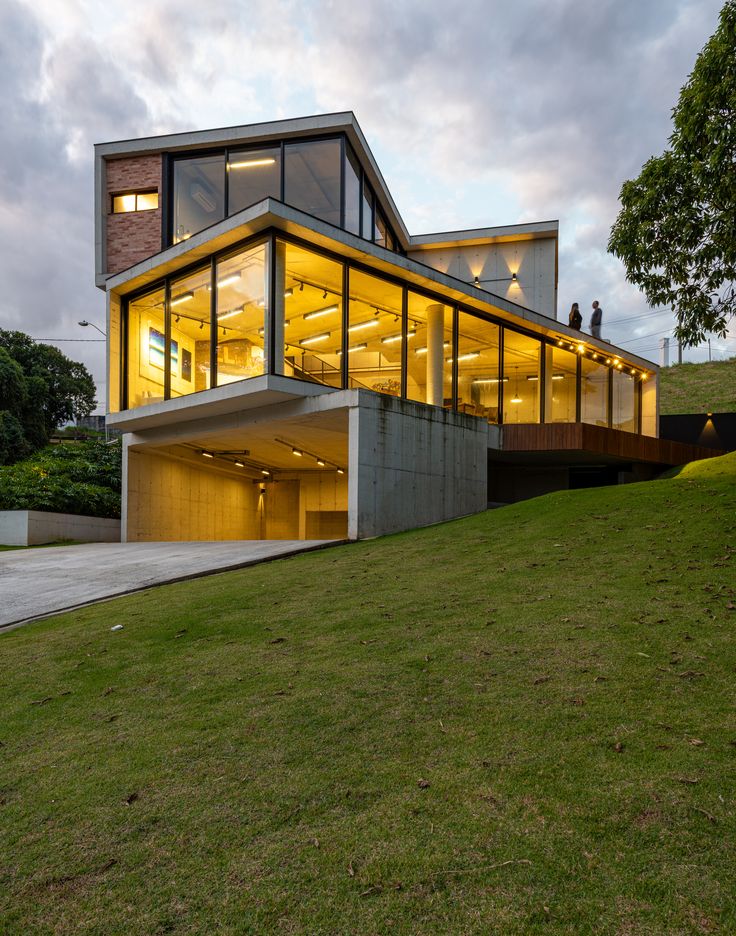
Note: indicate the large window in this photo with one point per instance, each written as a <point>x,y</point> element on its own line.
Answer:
<point>199,194</point>
<point>146,358</point>
<point>522,376</point>
<point>374,350</point>
<point>309,304</point>
<point>312,178</point>
<point>189,317</point>
<point>241,314</point>
<point>594,392</point>
<point>623,414</point>
<point>251,176</point>
<point>429,350</point>
<point>352,191</point>
<point>478,377</point>
<point>560,385</point>
<point>212,325</point>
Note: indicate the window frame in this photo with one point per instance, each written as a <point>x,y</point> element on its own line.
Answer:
<point>137,192</point>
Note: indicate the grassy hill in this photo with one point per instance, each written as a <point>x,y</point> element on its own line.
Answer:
<point>698,388</point>
<point>520,722</point>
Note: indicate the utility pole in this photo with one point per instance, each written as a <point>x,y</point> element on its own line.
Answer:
<point>679,352</point>
<point>710,357</point>
<point>665,352</point>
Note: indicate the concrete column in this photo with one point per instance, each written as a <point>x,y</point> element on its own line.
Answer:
<point>275,319</point>
<point>435,354</point>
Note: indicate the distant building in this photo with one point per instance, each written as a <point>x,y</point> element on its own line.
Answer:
<point>286,361</point>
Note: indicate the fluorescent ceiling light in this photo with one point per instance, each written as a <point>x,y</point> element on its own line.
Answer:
<point>231,313</point>
<point>229,279</point>
<point>318,312</point>
<point>182,297</point>
<point>358,347</point>
<point>314,338</point>
<point>207,455</point>
<point>203,197</point>
<point>390,339</point>
<point>490,380</point>
<point>465,357</point>
<point>371,323</point>
<point>251,163</point>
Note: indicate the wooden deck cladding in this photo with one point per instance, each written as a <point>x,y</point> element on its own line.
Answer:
<point>581,437</point>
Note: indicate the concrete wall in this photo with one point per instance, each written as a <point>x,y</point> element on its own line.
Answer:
<point>170,500</point>
<point>411,465</point>
<point>533,261</point>
<point>34,527</point>
<point>135,235</point>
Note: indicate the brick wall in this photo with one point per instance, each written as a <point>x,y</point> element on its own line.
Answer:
<point>135,235</point>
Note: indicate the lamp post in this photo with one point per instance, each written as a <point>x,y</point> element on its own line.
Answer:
<point>84,323</point>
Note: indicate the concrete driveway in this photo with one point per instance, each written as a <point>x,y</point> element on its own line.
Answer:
<point>37,582</point>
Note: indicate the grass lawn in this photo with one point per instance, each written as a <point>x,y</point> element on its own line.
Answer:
<point>698,388</point>
<point>520,722</point>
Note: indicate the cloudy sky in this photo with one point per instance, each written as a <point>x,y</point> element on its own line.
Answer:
<point>481,112</point>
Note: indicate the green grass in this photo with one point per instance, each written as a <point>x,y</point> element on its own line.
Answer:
<point>251,753</point>
<point>698,388</point>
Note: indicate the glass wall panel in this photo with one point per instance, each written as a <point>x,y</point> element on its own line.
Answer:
<point>312,314</point>
<point>594,393</point>
<point>241,314</point>
<point>253,175</point>
<point>429,344</point>
<point>312,179</point>
<point>146,353</point>
<point>380,234</point>
<point>374,353</point>
<point>199,194</point>
<point>367,211</point>
<point>522,376</point>
<point>352,191</point>
<point>560,385</point>
<point>624,401</point>
<point>477,367</point>
<point>649,406</point>
<point>189,314</point>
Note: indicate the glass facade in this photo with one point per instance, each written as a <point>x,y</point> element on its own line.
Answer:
<point>189,333</point>
<point>478,367</point>
<point>374,322</point>
<point>522,374</point>
<point>560,385</point>
<point>198,194</point>
<point>623,405</point>
<point>594,392</point>
<point>322,177</point>
<point>308,314</point>
<point>241,314</point>
<point>146,357</point>
<point>333,322</point>
<point>428,350</point>
<point>251,176</point>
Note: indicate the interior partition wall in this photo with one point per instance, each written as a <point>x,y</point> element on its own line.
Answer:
<point>278,305</point>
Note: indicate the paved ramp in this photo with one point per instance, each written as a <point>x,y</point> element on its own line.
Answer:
<point>35,583</point>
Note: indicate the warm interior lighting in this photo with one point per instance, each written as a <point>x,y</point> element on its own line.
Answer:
<point>465,357</point>
<point>313,338</point>
<point>288,292</point>
<point>371,323</point>
<point>516,398</point>
<point>228,280</point>
<point>532,377</point>
<point>476,281</point>
<point>358,347</point>
<point>608,360</point>
<point>182,297</point>
<point>239,464</point>
<point>340,471</point>
<point>320,462</point>
<point>318,312</point>
<point>251,163</point>
<point>707,414</point>
<point>514,278</point>
<point>581,349</point>
<point>560,342</point>
<point>225,315</point>
<point>644,376</point>
<point>207,454</point>
<point>558,376</point>
<point>390,339</point>
<point>490,380</point>
<point>296,451</point>
<point>266,472</point>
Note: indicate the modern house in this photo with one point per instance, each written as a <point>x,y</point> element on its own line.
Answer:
<point>286,361</point>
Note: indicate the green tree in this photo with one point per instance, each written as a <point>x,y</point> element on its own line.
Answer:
<point>13,404</point>
<point>676,231</point>
<point>58,388</point>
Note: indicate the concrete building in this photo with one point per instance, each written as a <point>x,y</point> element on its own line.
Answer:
<point>286,361</point>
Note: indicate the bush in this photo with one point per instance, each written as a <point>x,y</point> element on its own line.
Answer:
<point>78,478</point>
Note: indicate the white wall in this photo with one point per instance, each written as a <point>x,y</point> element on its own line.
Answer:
<point>34,527</point>
<point>533,261</point>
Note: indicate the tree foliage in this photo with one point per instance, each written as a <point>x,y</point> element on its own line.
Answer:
<point>79,478</point>
<point>676,231</point>
<point>40,388</point>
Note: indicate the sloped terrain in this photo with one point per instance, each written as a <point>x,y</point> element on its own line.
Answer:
<point>709,387</point>
<point>520,722</point>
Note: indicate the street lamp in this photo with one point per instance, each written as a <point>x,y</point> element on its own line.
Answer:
<point>84,323</point>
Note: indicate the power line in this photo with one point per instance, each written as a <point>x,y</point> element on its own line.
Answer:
<point>59,340</point>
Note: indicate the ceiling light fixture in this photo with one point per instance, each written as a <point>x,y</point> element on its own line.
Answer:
<point>182,297</point>
<point>228,280</point>
<point>371,323</point>
<point>229,314</point>
<point>390,339</point>
<point>205,454</point>
<point>251,163</point>
<point>298,452</point>
<point>313,338</point>
<point>465,357</point>
<point>317,312</point>
<point>358,347</point>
